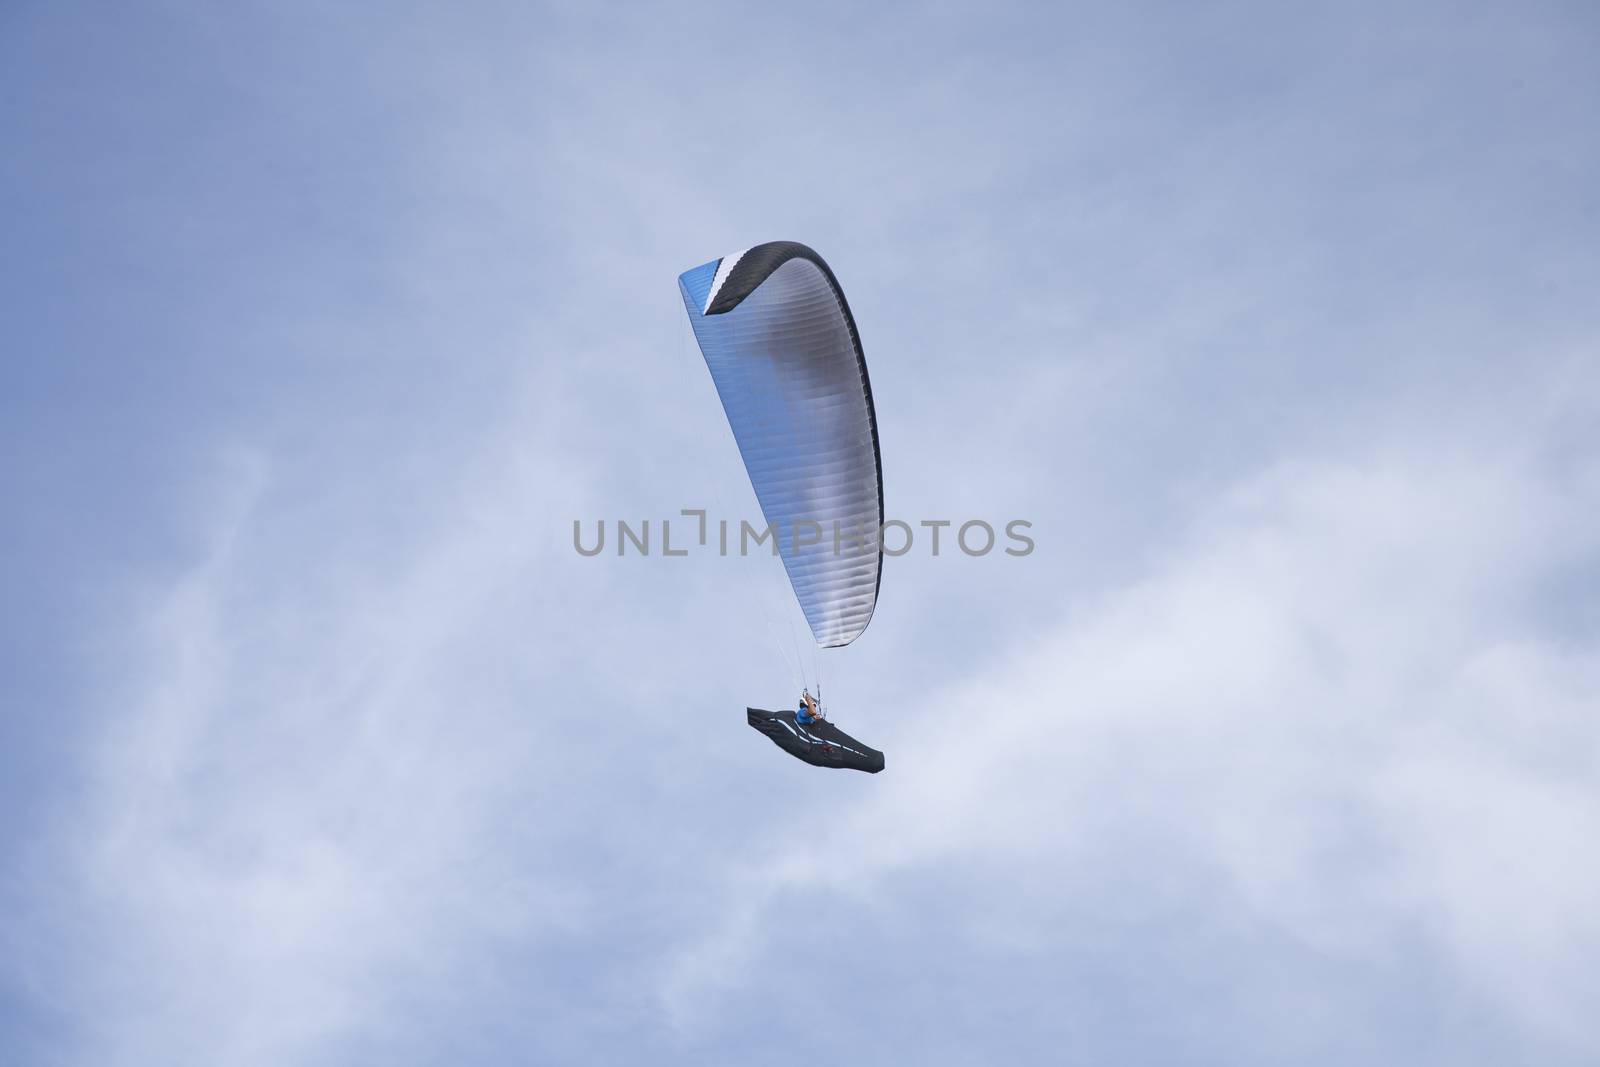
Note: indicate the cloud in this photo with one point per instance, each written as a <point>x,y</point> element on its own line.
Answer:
<point>299,808</point>
<point>1334,711</point>
<point>330,749</point>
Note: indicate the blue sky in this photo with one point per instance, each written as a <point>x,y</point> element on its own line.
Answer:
<point>321,745</point>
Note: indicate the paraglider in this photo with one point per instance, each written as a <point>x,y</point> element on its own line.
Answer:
<point>784,353</point>
<point>821,744</point>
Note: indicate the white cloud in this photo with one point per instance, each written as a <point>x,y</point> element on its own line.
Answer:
<point>299,806</point>
<point>389,743</point>
<point>1335,702</point>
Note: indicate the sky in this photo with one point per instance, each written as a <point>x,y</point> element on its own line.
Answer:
<point>319,743</point>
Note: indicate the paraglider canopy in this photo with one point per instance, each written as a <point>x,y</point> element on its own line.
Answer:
<point>783,350</point>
